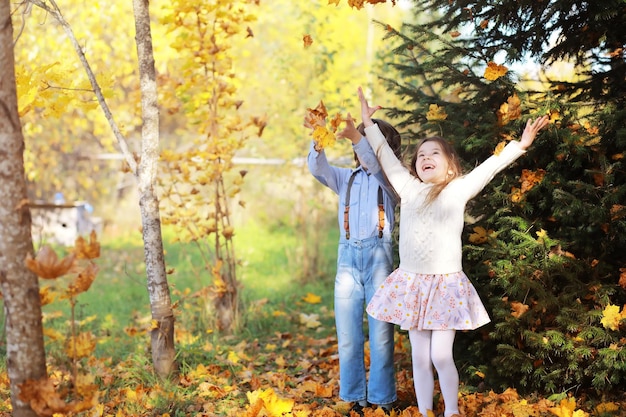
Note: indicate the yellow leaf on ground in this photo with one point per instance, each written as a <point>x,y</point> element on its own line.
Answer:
<point>312,298</point>
<point>565,408</point>
<point>310,320</point>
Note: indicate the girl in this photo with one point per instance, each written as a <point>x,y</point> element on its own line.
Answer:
<point>428,294</point>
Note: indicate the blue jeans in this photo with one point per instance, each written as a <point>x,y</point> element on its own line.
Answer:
<point>361,267</point>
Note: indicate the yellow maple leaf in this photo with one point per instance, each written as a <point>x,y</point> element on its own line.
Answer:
<point>83,281</point>
<point>46,295</point>
<point>315,119</point>
<point>511,110</point>
<point>481,235</point>
<point>323,138</point>
<point>81,346</point>
<point>494,71</point>
<point>518,309</point>
<point>541,235</point>
<point>53,334</point>
<point>609,407</point>
<point>312,298</point>
<point>233,357</point>
<point>435,113</point>
<point>531,178</point>
<point>565,408</point>
<point>499,148</point>
<point>86,250</point>
<point>611,317</point>
<point>521,409</point>
<point>274,405</point>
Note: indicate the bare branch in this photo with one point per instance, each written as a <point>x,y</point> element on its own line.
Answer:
<point>51,7</point>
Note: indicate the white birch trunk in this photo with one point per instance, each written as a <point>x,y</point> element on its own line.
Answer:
<point>26,358</point>
<point>162,336</point>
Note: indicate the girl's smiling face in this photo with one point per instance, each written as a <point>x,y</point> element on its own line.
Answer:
<point>431,164</point>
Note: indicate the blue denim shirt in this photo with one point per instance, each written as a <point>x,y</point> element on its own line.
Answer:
<point>363,214</point>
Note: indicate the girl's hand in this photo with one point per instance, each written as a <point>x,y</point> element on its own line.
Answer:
<point>366,111</point>
<point>531,130</point>
<point>350,132</point>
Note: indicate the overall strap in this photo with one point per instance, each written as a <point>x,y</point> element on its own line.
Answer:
<point>346,210</point>
<point>381,213</point>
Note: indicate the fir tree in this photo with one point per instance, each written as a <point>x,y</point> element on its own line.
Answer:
<point>546,240</point>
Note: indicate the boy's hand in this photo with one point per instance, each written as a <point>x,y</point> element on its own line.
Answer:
<point>531,130</point>
<point>366,111</point>
<point>350,132</point>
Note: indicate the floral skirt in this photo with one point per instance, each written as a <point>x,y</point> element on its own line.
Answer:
<point>428,302</point>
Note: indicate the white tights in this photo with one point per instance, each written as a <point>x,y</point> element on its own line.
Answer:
<point>428,348</point>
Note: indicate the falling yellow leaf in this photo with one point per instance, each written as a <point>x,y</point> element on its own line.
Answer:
<point>83,281</point>
<point>315,119</point>
<point>511,110</point>
<point>47,264</point>
<point>307,40</point>
<point>312,298</point>
<point>86,250</point>
<point>494,71</point>
<point>435,113</point>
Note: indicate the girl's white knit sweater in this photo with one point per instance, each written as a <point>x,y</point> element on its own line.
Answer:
<point>430,234</point>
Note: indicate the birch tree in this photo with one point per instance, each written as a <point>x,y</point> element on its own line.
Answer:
<point>20,287</point>
<point>162,331</point>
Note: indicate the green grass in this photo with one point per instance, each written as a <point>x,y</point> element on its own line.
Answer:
<point>116,309</point>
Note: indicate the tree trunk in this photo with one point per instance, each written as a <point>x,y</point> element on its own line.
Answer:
<point>26,357</point>
<point>163,351</point>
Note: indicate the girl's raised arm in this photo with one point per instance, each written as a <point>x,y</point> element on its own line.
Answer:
<point>366,111</point>
<point>531,130</point>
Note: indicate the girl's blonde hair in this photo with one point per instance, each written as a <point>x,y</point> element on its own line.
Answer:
<point>454,165</point>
